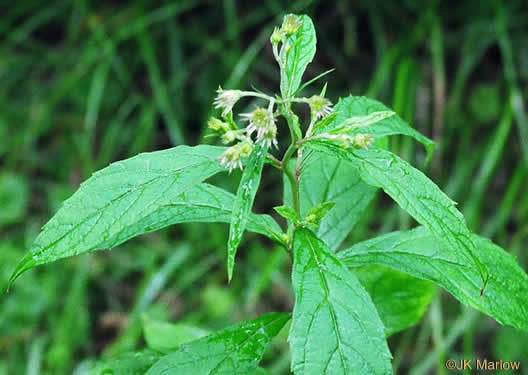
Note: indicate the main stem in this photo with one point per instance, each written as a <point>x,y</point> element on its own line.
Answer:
<point>294,182</point>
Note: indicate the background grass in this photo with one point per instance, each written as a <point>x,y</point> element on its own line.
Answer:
<point>83,84</point>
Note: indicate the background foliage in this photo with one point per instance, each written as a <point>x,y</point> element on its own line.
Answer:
<point>86,83</point>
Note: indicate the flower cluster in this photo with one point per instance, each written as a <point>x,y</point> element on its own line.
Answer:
<point>344,140</point>
<point>290,25</point>
<point>232,157</point>
<point>261,122</point>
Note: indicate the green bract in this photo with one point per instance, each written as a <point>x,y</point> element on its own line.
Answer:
<point>346,302</point>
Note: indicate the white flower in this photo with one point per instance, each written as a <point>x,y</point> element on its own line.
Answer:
<point>232,157</point>
<point>262,121</point>
<point>226,99</point>
<point>320,106</point>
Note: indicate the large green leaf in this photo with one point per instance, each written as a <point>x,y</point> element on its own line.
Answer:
<point>297,56</point>
<point>326,178</point>
<point>247,189</point>
<point>416,194</point>
<point>234,350</point>
<point>117,198</point>
<point>202,203</point>
<point>335,329</point>
<point>356,106</point>
<point>136,363</point>
<point>424,255</point>
<point>400,299</point>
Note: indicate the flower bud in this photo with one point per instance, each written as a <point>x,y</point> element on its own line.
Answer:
<point>362,140</point>
<point>291,24</point>
<point>217,125</point>
<point>229,136</point>
<point>276,36</point>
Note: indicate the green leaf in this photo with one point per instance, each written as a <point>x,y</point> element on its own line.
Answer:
<point>326,178</point>
<point>245,197</point>
<point>116,198</point>
<point>356,106</point>
<point>164,336</point>
<point>335,328</point>
<point>288,213</point>
<point>234,350</point>
<point>353,124</point>
<point>297,56</point>
<point>400,299</point>
<point>422,254</point>
<point>416,194</point>
<point>136,363</point>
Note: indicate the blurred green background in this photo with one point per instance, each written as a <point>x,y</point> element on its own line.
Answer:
<point>85,83</point>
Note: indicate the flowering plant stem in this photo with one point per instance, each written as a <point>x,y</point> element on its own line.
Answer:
<point>294,181</point>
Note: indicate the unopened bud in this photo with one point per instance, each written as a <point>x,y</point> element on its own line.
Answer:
<point>229,136</point>
<point>362,140</point>
<point>217,125</point>
<point>291,24</point>
<point>276,36</point>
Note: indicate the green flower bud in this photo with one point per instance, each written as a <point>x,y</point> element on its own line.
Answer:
<point>217,125</point>
<point>362,140</point>
<point>291,24</point>
<point>276,36</point>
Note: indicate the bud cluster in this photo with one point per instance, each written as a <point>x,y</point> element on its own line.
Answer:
<point>344,140</point>
<point>290,25</point>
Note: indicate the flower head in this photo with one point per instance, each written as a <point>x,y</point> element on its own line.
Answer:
<point>226,99</point>
<point>232,157</point>
<point>262,121</point>
<point>320,106</point>
<point>291,24</point>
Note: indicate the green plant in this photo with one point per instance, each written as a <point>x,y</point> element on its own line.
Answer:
<point>342,314</point>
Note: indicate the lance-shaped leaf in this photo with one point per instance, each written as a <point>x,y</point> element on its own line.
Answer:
<point>296,54</point>
<point>335,329</point>
<point>416,194</point>
<point>202,203</point>
<point>236,350</point>
<point>247,189</point>
<point>422,254</point>
<point>352,108</point>
<point>327,178</point>
<point>400,299</point>
<point>118,197</point>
